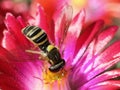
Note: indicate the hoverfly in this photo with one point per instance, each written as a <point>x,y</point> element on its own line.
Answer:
<point>39,37</point>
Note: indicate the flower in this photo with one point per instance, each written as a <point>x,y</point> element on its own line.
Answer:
<point>15,8</point>
<point>84,51</point>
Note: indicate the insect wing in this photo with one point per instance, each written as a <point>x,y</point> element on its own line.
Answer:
<point>62,20</point>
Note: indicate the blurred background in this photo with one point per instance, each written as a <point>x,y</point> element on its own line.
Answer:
<point>108,10</point>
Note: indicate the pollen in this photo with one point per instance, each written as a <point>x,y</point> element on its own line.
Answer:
<point>78,3</point>
<point>50,77</point>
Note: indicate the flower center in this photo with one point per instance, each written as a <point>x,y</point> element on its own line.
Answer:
<point>51,77</point>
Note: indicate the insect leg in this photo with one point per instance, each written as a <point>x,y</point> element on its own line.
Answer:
<point>43,56</point>
<point>34,52</point>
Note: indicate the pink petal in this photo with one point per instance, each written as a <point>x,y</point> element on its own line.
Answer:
<point>17,48</point>
<point>103,77</point>
<point>7,70</point>
<point>8,83</point>
<point>107,85</point>
<point>6,56</point>
<point>104,38</point>
<point>62,19</point>
<point>73,33</point>
<point>24,74</point>
<point>85,38</point>
<point>12,44</point>
<point>95,65</point>
<point>15,27</point>
<point>110,57</point>
<point>21,21</point>
<point>15,41</point>
<point>97,45</point>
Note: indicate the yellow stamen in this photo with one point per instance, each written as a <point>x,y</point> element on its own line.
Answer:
<point>51,77</point>
<point>54,78</point>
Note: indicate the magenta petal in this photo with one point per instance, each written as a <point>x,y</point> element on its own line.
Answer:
<point>6,56</point>
<point>15,27</point>
<point>19,75</point>
<point>103,77</point>
<point>84,49</point>
<point>8,83</point>
<point>73,33</point>
<point>107,85</point>
<point>99,42</point>
<point>11,43</point>
<point>95,65</point>
<point>22,73</point>
<point>18,49</point>
<point>85,39</point>
<point>21,21</point>
<point>104,38</point>
<point>9,76</point>
<point>110,57</point>
<point>97,45</point>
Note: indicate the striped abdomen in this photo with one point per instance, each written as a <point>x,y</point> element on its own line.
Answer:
<point>37,36</point>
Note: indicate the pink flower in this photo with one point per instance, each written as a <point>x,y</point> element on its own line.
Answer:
<point>15,8</point>
<point>84,51</point>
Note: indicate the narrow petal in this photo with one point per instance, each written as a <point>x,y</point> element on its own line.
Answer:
<point>15,27</point>
<point>8,83</point>
<point>104,38</point>
<point>103,77</point>
<point>17,48</point>
<point>99,42</point>
<point>24,74</point>
<point>19,75</point>
<point>73,33</point>
<point>85,38</point>
<point>94,67</point>
<point>109,85</point>
<point>110,57</point>
<point>12,44</point>
<point>7,71</point>
<point>21,21</point>
<point>97,45</point>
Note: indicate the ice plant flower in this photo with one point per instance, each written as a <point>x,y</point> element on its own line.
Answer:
<point>84,51</point>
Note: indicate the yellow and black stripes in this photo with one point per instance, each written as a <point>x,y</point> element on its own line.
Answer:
<point>37,35</point>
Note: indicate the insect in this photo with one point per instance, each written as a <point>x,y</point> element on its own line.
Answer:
<point>37,36</point>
